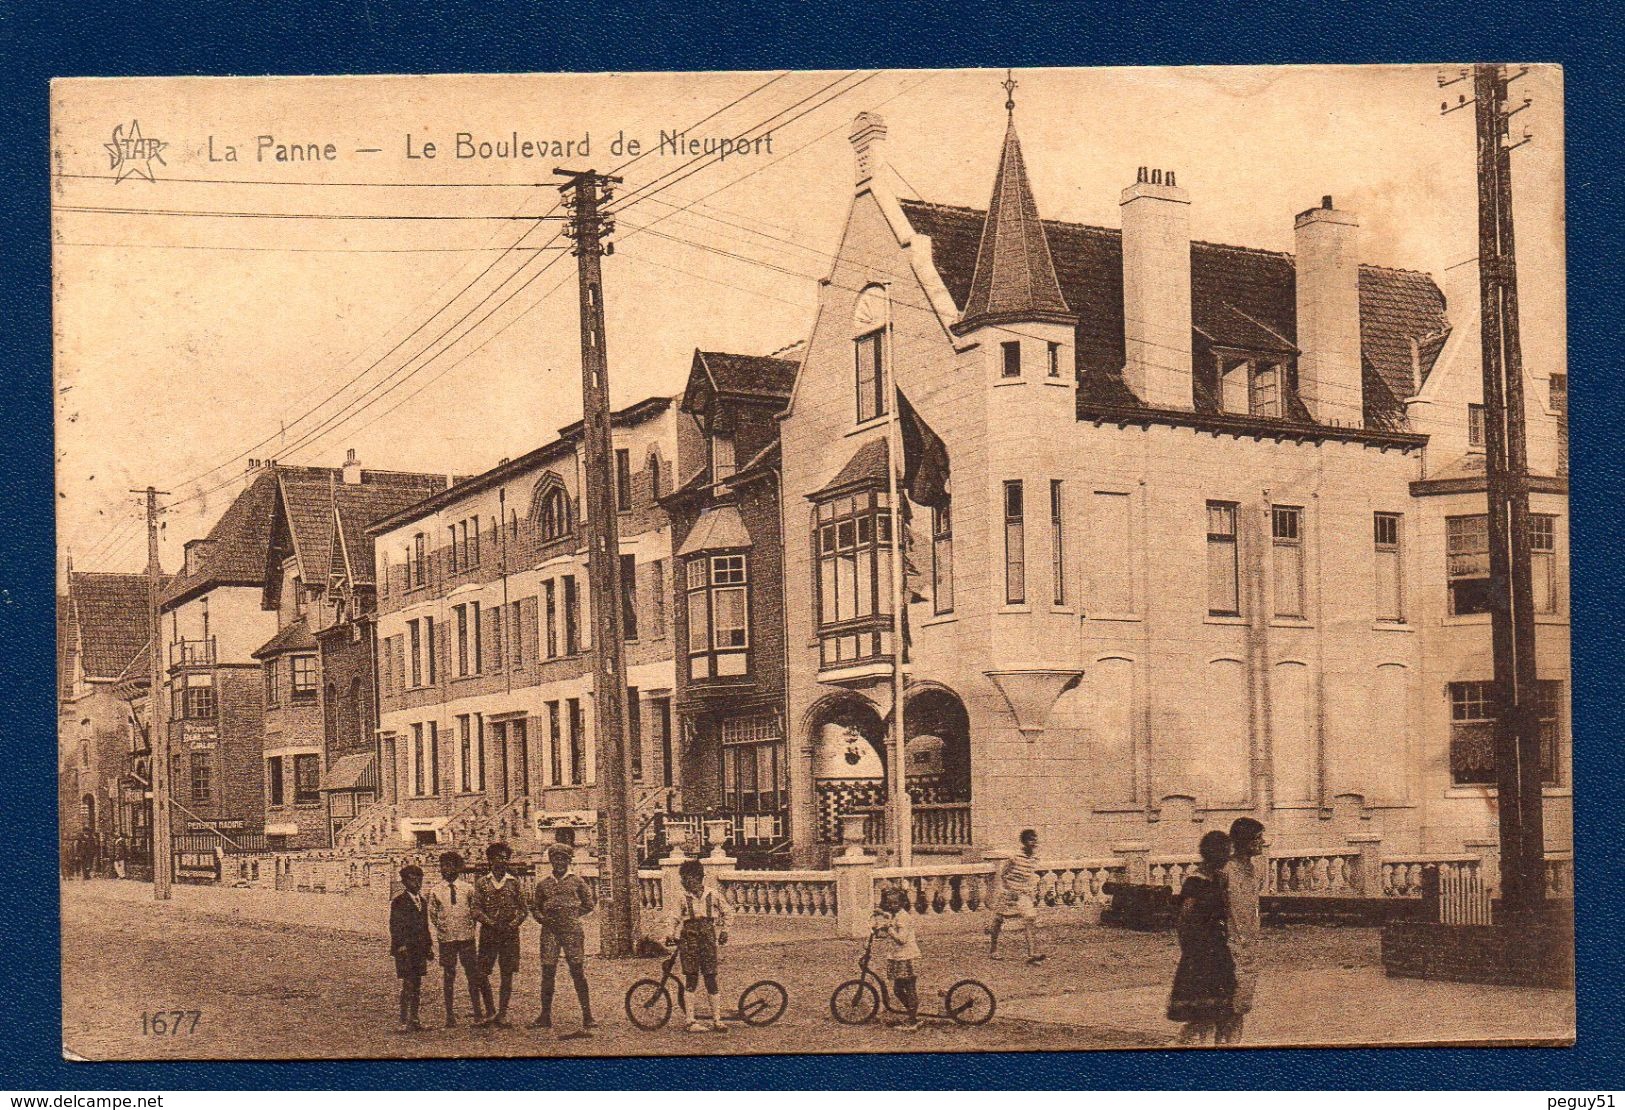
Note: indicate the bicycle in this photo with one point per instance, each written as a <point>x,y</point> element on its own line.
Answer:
<point>856,1001</point>
<point>649,1001</point>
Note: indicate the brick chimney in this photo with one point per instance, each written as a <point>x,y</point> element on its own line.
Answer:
<point>352,469</point>
<point>868,140</point>
<point>1157,291</point>
<point>1328,304</point>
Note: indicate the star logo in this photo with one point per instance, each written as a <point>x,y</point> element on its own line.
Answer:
<point>131,154</point>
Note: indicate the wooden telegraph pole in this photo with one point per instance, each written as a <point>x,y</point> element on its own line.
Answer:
<point>1512,626</point>
<point>163,859</point>
<point>585,192</point>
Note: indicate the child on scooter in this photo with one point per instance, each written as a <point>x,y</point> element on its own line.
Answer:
<point>894,924</point>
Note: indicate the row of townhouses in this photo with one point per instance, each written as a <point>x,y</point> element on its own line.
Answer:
<point>1204,535</point>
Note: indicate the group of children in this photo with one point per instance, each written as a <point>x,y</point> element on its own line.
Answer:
<point>477,929</point>
<point>476,926</point>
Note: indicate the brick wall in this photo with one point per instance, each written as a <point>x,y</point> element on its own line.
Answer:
<point>1533,954</point>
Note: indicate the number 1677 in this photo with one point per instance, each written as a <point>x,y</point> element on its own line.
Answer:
<point>160,1023</point>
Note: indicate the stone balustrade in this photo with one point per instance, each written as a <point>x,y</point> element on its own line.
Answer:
<point>1402,875</point>
<point>1332,873</point>
<point>940,889</point>
<point>809,894</point>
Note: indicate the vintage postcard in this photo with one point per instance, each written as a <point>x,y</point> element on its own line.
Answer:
<point>850,561</point>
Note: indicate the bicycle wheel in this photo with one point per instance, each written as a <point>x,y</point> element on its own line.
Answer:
<point>648,1004</point>
<point>762,1003</point>
<point>854,1002</point>
<point>970,1003</point>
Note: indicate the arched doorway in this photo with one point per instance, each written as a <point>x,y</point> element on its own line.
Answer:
<point>849,765</point>
<point>936,727</point>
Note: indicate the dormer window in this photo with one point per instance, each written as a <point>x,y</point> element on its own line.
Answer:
<point>551,509</point>
<point>1253,385</point>
<point>1475,427</point>
<point>1264,392</point>
<point>722,456</point>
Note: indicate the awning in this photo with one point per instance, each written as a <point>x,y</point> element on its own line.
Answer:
<point>718,529</point>
<point>351,772</point>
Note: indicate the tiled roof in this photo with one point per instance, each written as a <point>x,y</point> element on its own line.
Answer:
<point>867,464</point>
<point>111,613</point>
<point>291,637</point>
<point>235,548</point>
<point>1239,297</point>
<point>309,496</point>
<point>1014,277</point>
<point>751,375</point>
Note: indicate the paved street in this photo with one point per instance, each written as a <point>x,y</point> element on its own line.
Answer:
<point>288,975</point>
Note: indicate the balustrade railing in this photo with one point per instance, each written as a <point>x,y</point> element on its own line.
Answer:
<point>808,894</point>
<point>941,824</point>
<point>651,891</point>
<point>1077,882</point>
<point>1402,875</point>
<point>1330,873</point>
<point>1171,871</point>
<point>940,889</point>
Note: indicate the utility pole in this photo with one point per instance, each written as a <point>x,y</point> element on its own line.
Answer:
<point>163,859</point>
<point>1512,625</point>
<point>584,194</point>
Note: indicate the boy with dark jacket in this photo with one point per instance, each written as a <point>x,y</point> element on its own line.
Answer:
<point>411,942</point>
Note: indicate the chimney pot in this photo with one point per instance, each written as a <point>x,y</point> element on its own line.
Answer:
<point>1326,201</point>
<point>1330,382</point>
<point>868,140</point>
<point>352,468</point>
<point>1157,291</point>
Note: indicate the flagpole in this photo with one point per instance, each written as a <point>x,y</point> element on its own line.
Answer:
<point>902,804</point>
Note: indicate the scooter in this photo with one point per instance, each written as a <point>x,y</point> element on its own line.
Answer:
<point>856,1001</point>
<point>649,1001</point>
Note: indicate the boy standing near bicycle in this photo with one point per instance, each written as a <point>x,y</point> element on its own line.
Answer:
<point>698,926</point>
<point>894,924</point>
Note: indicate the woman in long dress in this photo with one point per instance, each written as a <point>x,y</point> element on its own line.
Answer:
<point>1205,981</point>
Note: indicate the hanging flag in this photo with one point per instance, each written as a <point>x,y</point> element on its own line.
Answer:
<point>925,458</point>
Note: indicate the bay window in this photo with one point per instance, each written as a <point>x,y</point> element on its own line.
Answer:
<point>852,539</point>
<point>718,601</point>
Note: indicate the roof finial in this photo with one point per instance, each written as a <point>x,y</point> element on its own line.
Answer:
<point>1009,85</point>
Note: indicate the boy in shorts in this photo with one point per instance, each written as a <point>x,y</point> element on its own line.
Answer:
<point>1018,880</point>
<point>499,907</point>
<point>451,913</point>
<point>558,904</point>
<point>698,927</point>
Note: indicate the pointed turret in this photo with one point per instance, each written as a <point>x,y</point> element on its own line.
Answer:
<point>1015,275</point>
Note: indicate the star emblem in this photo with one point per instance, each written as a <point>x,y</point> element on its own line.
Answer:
<point>131,154</point>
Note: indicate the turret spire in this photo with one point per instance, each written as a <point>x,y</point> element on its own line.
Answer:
<point>1015,275</point>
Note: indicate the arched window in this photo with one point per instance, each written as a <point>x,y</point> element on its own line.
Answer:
<point>870,318</point>
<point>550,508</point>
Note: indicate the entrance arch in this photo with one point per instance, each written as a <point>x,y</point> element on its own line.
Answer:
<point>847,738</point>
<point>936,730</point>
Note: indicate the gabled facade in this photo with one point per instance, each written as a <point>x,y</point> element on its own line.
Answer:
<point>104,758</point>
<point>1192,566</point>
<point>247,727</point>
<point>484,672</point>
<point>727,603</point>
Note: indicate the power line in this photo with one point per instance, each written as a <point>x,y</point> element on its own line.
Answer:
<point>339,184</point>
<point>302,250</point>
<point>116,211</point>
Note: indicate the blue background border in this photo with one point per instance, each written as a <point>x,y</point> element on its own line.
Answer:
<point>301,36</point>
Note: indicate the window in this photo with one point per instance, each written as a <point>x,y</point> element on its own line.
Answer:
<point>418,754</point>
<point>414,629</point>
<point>451,546</point>
<point>462,639</point>
<point>516,635</point>
<point>623,479</point>
<point>273,781</point>
<point>1467,563</point>
<point>718,616</point>
<point>1015,544</point>
<point>852,540</point>
<point>1475,426</point>
<point>1543,561</point>
<point>1223,595</point>
<point>420,549</point>
<point>519,737</point>
<point>1011,355</point>
<point>553,512</point>
<point>1054,360</point>
<point>471,753</point>
<point>555,746</point>
<point>871,377</point>
<point>572,614</point>
<point>654,477</point>
<point>550,595</point>
<point>304,678</point>
<point>493,620</point>
<point>1286,559</point>
<point>197,700</point>
<point>474,541</point>
<point>1057,551</point>
<point>629,596</point>
<point>660,720</point>
<point>202,783</point>
<point>430,651</point>
<point>578,742</point>
<point>754,776</point>
<point>273,695</point>
<point>1385,532</point>
<point>942,559</point>
<point>657,599</point>
<point>634,733</point>
<point>1473,712</point>
<point>722,456</point>
<point>307,780</point>
<point>1264,390</point>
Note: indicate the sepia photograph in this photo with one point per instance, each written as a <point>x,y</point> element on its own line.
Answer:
<point>841,561</point>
